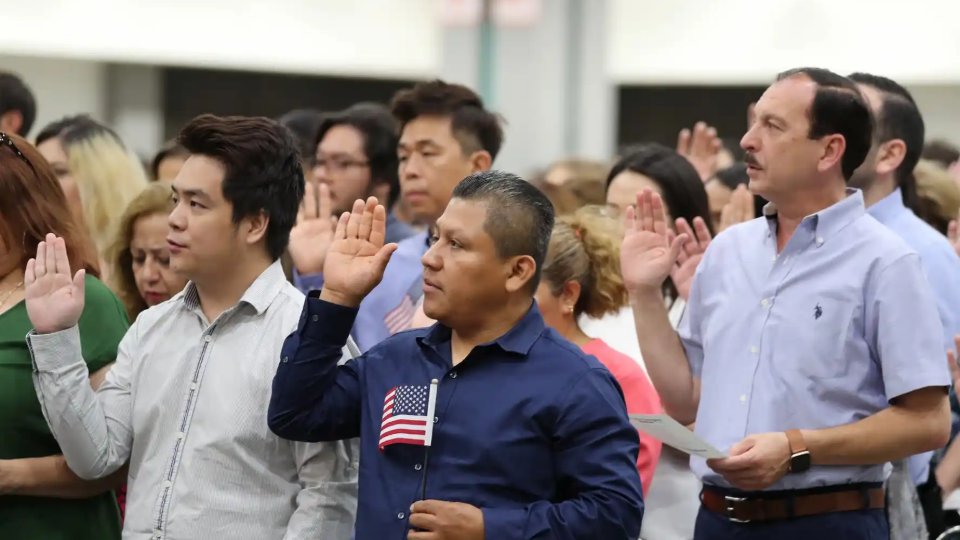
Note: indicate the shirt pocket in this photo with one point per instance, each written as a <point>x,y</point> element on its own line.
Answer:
<point>822,336</point>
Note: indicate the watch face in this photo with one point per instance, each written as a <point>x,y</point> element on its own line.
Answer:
<point>800,462</point>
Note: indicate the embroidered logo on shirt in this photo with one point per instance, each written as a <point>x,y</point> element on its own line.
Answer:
<point>817,312</point>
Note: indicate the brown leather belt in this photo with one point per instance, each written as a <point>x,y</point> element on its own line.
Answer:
<point>747,509</point>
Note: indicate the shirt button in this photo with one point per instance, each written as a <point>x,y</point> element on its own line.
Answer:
<point>193,386</point>
<point>180,435</point>
<point>453,374</point>
<point>208,339</point>
<point>819,240</point>
<point>285,359</point>
<point>436,419</point>
<point>400,515</point>
<point>743,398</point>
<point>753,350</point>
<point>774,258</point>
<point>315,318</point>
<point>764,302</point>
<point>417,467</point>
<point>167,484</point>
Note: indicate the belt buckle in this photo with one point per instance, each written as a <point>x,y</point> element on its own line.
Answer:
<point>731,508</point>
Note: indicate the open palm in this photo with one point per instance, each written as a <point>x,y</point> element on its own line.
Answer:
<point>311,237</point>
<point>357,257</point>
<point>691,254</point>
<point>54,296</point>
<point>649,251</point>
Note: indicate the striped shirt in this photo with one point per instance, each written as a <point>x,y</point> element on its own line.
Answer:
<point>186,403</point>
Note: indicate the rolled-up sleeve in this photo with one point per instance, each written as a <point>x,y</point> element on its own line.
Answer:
<point>595,461</point>
<point>93,429</point>
<point>903,323</point>
<point>313,398</point>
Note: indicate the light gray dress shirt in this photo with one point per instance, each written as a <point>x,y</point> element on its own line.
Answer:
<point>824,333</point>
<point>186,404</point>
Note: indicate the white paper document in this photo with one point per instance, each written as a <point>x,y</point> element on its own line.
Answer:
<point>672,433</point>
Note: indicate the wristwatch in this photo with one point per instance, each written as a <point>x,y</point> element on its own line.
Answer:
<point>799,455</point>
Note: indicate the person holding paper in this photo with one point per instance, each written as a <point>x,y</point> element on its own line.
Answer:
<point>529,436</point>
<point>811,347</point>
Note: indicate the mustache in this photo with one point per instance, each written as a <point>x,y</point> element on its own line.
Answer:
<point>750,159</point>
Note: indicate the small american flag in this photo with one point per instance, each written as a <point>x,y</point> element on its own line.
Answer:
<point>408,415</point>
<point>399,318</point>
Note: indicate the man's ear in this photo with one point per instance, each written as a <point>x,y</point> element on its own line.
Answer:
<point>256,227</point>
<point>480,161</point>
<point>520,270</point>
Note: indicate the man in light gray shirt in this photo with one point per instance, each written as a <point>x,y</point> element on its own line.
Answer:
<point>186,402</point>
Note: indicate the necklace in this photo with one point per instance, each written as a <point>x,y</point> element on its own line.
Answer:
<point>4,298</point>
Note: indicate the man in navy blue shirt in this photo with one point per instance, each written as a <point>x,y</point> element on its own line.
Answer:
<point>529,437</point>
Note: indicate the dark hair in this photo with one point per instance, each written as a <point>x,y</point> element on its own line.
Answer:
<point>838,108</point>
<point>69,123</point>
<point>262,169</point>
<point>169,150</point>
<point>304,124</point>
<point>681,186</point>
<point>733,176</point>
<point>32,204</point>
<point>15,95</point>
<point>379,131</point>
<point>474,127</point>
<point>519,217</point>
<point>942,152</point>
<point>899,118</point>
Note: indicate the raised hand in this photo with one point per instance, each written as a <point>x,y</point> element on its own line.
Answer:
<point>312,235</point>
<point>54,296</point>
<point>357,257</point>
<point>702,149</point>
<point>691,254</point>
<point>649,251</point>
<point>952,363</point>
<point>740,209</point>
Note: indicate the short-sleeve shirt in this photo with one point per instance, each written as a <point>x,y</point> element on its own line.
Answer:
<point>26,434</point>
<point>825,333</point>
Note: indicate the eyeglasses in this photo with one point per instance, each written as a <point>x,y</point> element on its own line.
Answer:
<point>7,141</point>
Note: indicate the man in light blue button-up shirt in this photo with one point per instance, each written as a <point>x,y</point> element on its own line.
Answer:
<point>811,348</point>
<point>889,191</point>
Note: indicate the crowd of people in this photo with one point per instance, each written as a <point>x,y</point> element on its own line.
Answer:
<point>350,324</point>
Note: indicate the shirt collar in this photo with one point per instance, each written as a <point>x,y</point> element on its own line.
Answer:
<point>260,294</point>
<point>828,221</point>
<point>519,339</point>
<point>888,208</point>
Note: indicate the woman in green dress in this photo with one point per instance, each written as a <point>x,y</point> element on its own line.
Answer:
<point>40,498</point>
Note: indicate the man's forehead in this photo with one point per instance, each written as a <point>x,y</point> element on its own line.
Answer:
<point>789,96</point>
<point>462,214</point>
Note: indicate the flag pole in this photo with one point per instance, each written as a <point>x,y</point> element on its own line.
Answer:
<point>431,412</point>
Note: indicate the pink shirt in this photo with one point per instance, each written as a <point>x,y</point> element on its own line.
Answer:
<point>640,396</point>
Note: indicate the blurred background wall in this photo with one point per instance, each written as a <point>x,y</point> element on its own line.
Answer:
<point>571,77</point>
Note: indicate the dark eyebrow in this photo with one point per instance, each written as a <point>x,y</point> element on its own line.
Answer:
<point>192,193</point>
<point>418,143</point>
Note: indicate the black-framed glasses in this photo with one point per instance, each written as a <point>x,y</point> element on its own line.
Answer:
<point>5,140</point>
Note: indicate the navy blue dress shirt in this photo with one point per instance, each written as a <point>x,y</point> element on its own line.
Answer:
<point>528,428</point>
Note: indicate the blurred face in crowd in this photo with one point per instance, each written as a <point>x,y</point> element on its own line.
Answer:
<point>719,196</point>
<point>781,159</point>
<point>623,190</point>
<point>203,239</point>
<point>155,281</point>
<point>463,275</point>
<point>432,163</point>
<point>52,150</point>
<point>169,167</point>
<point>343,166</point>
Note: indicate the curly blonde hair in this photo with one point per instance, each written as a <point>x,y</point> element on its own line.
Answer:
<point>154,199</point>
<point>585,248</point>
